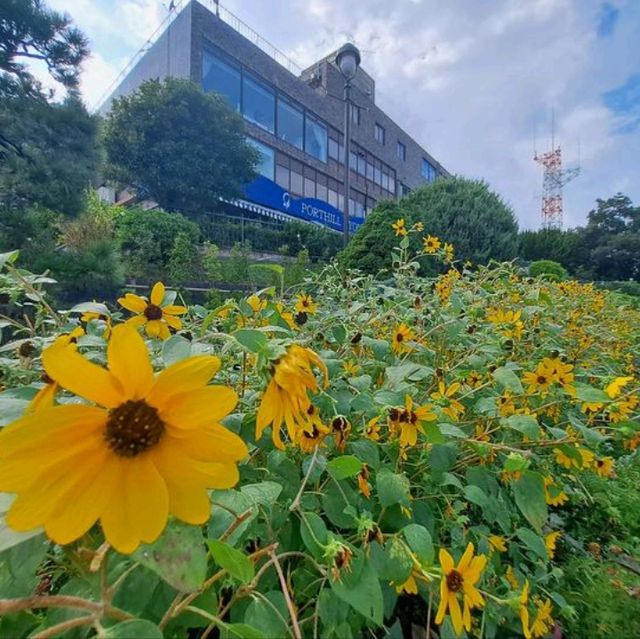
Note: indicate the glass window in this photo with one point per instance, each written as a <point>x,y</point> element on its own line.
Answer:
<point>379,133</point>
<point>334,149</point>
<point>340,202</point>
<point>266,161</point>
<point>392,184</point>
<point>401,151</point>
<point>296,183</point>
<point>258,104</point>
<point>428,170</point>
<point>369,171</point>
<point>222,78</point>
<point>361,165</point>
<point>332,197</point>
<point>377,176</point>
<point>290,123</point>
<point>355,114</point>
<point>385,181</point>
<point>315,139</point>
<point>309,187</point>
<point>353,161</point>
<point>282,176</point>
<point>321,192</point>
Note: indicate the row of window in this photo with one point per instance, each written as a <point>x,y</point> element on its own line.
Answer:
<point>304,181</point>
<point>260,105</point>
<point>365,164</point>
<point>428,170</point>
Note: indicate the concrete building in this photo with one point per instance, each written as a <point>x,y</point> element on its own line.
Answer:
<point>294,117</point>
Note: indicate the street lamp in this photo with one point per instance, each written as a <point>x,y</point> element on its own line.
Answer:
<point>348,61</point>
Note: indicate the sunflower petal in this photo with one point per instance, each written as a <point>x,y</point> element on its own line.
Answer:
<point>78,375</point>
<point>133,303</point>
<point>153,328</point>
<point>446,561</point>
<point>174,309</point>
<point>129,361</point>
<point>465,559</point>
<point>172,321</point>
<point>444,602</point>
<point>456,613</point>
<point>199,408</point>
<point>186,375</point>
<point>214,443</point>
<point>157,293</point>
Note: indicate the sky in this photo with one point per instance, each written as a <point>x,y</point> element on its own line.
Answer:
<point>474,81</point>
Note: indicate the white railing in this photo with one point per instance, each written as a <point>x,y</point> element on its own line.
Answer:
<point>226,16</point>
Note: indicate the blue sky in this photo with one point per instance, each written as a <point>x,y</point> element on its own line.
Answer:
<point>474,82</point>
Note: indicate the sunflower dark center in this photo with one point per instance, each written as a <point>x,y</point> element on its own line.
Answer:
<point>153,312</point>
<point>455,581</point>
<point>133,428</point>
<point>399,337</point>
<point>542,379</point>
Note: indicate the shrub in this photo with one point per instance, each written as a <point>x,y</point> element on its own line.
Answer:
<point>465,212</point>
<point>185,263</point>
<point>548,269</point>
<point>148,237</point>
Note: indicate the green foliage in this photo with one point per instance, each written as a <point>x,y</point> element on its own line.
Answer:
<point>211,262</point>
<point>183,147</point>
<point>465,212</point>
<point>549,269</point>
<point>184,261</point>
<point>565,247</point>
<point>148,237</point>
<point>28,30</point>
<point>50,152</point>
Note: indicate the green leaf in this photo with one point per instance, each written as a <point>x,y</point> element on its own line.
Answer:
<point>138,628</point>
<point>175,349</point>
<point>508,379</point>
<point>433,433</point>
<point>240,631</point>
<point>270,616</point>
<point>91,307</point>
<point>392,488</point>
<point>265,493</point>
<point>420,542</point>
<point>533,542</point>
<point>179,556</point>
<point>8,258</point>
<point>514,462</point>
<point>530,498</point>
<point>345,466</point>
<point>10,538</point>
<point>314,533</point>
<point>236,563</point>
<point>476,496</point>
<point>586,393</point>
<point>252,340</point>
<point>409,372</point>
<point>360,588</point>
<point>525,424</point>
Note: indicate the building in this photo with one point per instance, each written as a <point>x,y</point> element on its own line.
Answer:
<point>294,117</point>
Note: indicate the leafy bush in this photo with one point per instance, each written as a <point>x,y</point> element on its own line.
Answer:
<point>185,263</point>
<point>549,269</point>
<point>148,236</point>
<point>465,212</point>
<point>628,288</point>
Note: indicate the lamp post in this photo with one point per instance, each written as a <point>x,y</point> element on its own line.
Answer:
<point>348,61</point>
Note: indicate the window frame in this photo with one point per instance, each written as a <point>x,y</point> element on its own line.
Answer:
<point>379,129</point>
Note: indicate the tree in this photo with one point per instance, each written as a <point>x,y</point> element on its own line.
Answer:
<point>48,150</point>
<point>183,147</point>
<point>463,212</point>
<point>31,31</point>
<point>54,154</point>
<point>566,247</point>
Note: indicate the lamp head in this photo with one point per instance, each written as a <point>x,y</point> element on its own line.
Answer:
<point>348,60</point>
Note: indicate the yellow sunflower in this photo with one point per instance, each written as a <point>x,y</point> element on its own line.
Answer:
<point>305,304</point>
<point>460,579</point>
<point>406,422</point>
<point>537,381</point>
<point>430,244</point>
<point>286,397</point>
<point>399,227</point>
<point>401,335</point>
<point>550,542</point>
<point>497,542</point>
<point>444,397</point>
<point>145,448</point>
<point>155,318</point>
<point>313,433</point>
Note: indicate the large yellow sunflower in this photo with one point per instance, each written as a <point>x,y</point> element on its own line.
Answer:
<point>460,579</point>
<point>145,448</point>
<point>155,318</point>
<point>286,399</point>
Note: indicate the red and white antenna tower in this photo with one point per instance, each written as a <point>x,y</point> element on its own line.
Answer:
<point>554,178</point>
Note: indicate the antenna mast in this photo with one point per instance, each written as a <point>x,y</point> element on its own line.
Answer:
<point>554,178</point>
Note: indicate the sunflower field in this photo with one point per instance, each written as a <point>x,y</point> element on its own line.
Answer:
<point>360,457</point>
